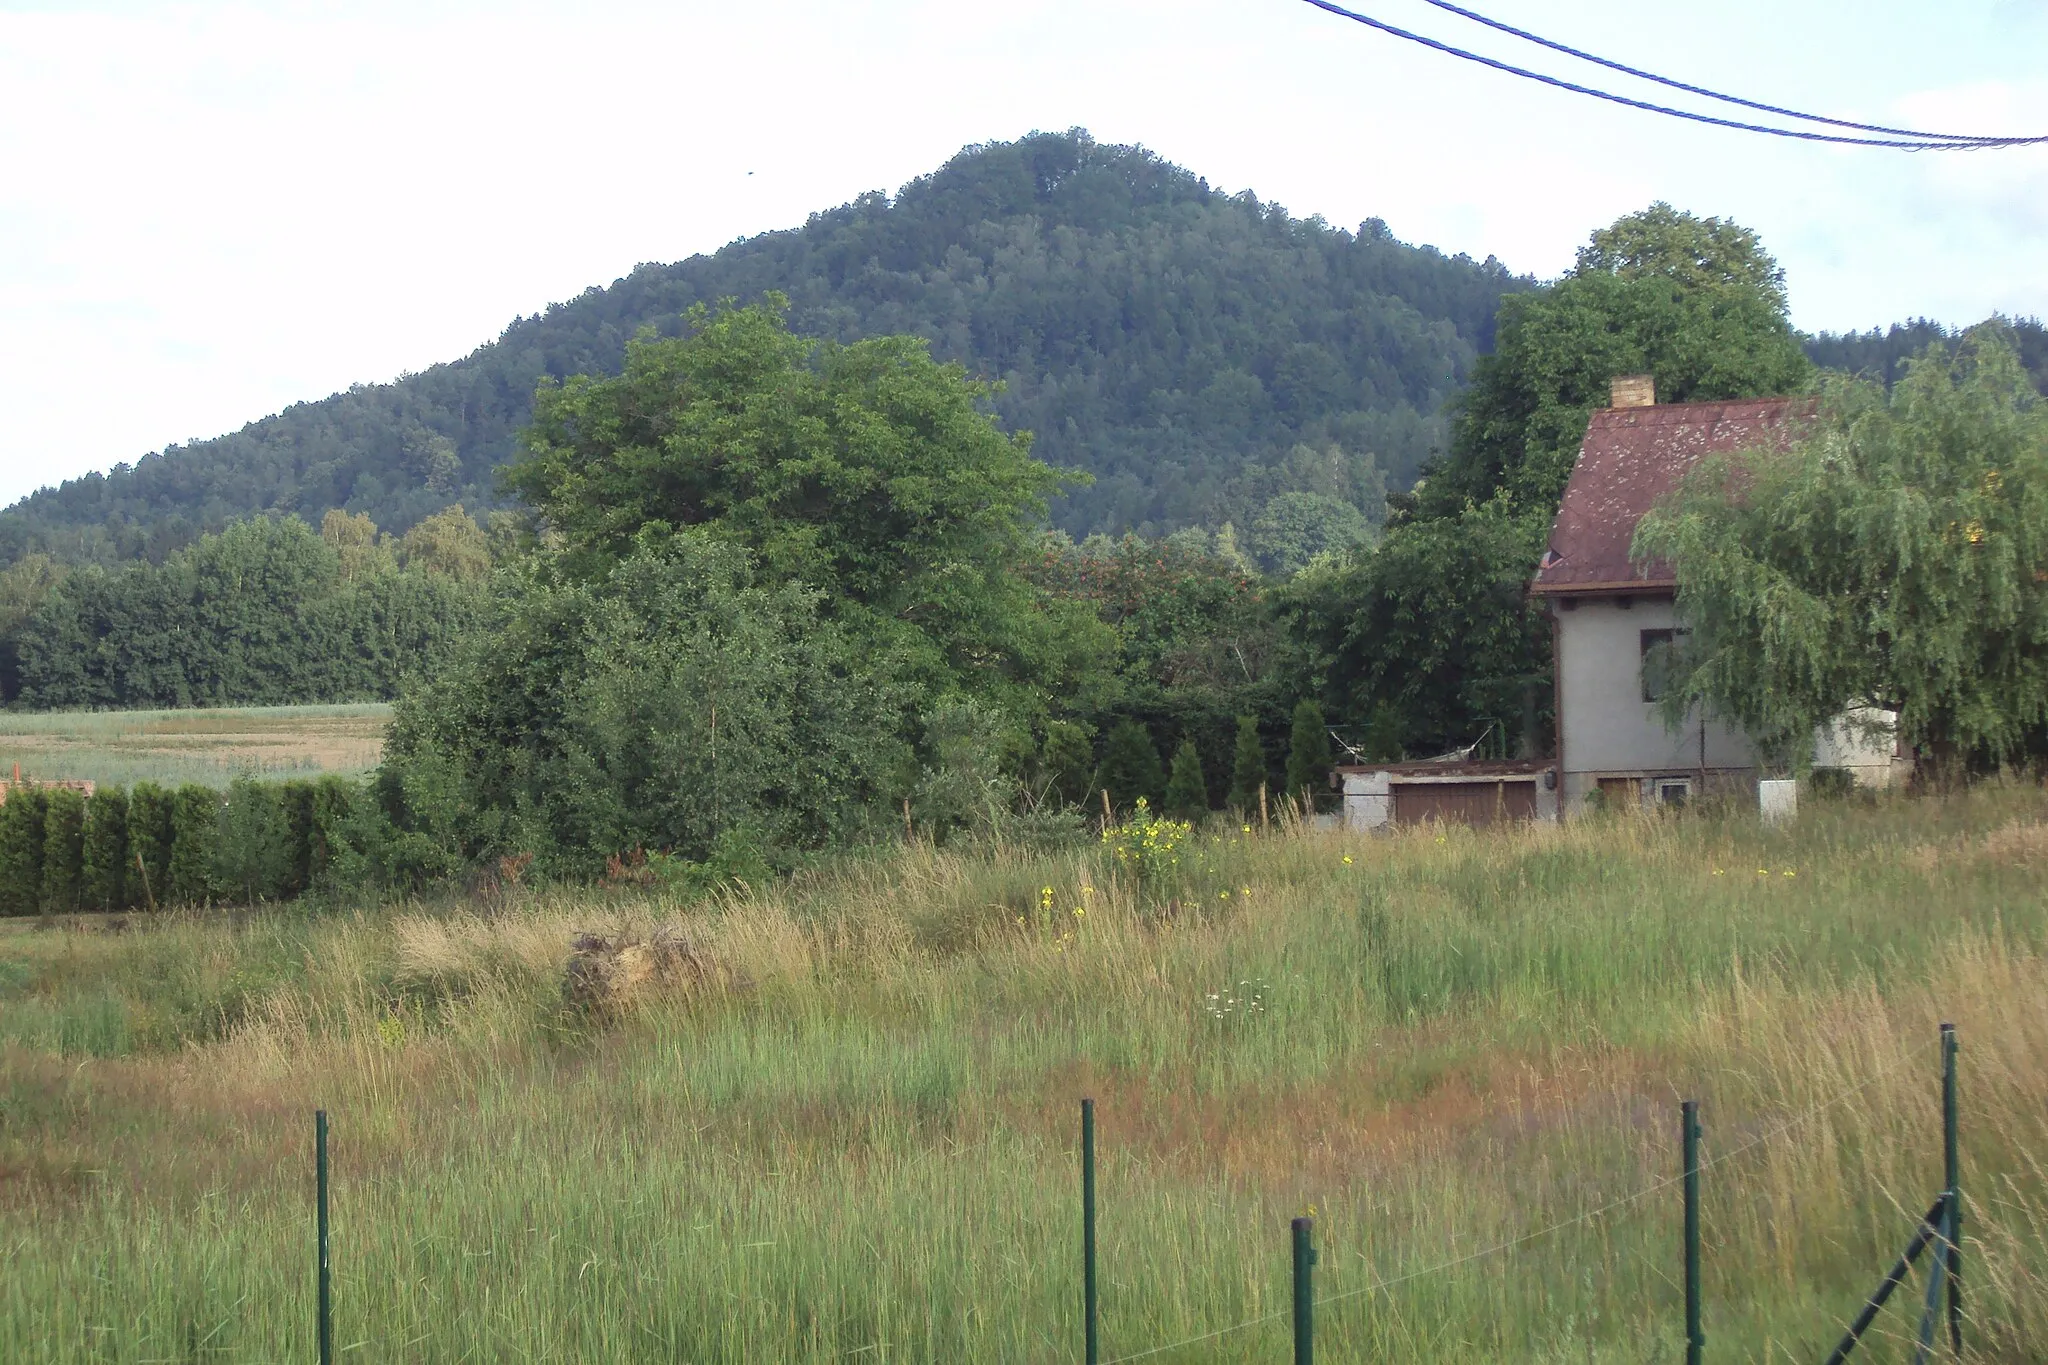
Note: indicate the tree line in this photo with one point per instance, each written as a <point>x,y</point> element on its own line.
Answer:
<point>152,847</point>
<point>267,612</point>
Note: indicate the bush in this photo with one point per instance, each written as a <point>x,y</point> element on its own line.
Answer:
<point>1308,754</point>
<point>332,846</point>
<point>1247,766</point>
<point>1130,771</point>
<point>1147,846</point>
<point>1187,791</point>
<point>104,884</point>
<point>63,849</point>
<point>295,799</point>
<point>252,857</point>
<point>21,852</point>
<point>1065,762</point>
<point>195,838</point>
<point>149,844</point>
<point>674,698</point>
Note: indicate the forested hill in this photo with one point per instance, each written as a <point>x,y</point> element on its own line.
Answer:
<point>1197,352</point>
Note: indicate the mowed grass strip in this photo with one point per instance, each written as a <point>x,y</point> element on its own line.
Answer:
<point>207,746</point>
<point>863,1147</point>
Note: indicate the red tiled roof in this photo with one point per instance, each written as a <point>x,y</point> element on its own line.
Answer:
<point>1632,457</point>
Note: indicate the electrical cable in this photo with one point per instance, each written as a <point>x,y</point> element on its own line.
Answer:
<point>1626,70</point>
<point>1910,145</point>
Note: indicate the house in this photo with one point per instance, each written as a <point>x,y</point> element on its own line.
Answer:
<point>1608,613</point>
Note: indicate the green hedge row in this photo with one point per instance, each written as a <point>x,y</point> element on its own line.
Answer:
<point>159,847</point>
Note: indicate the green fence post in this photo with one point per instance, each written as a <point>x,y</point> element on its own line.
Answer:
<point>1689,1121</point>
<point>1952,1160</point>
<point>326,1324</point>
<point>1090,1331</point>
<point>1304,1293</point>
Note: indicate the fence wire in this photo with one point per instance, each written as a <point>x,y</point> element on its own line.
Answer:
<point>1654,1187</point>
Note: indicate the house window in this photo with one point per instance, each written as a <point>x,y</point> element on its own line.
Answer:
<point>1673,791</point>
<point>1656,661</point>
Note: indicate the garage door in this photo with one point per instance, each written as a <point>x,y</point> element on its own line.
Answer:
<point>1464,803</point>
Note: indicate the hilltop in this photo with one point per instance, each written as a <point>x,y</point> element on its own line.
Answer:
<point>1196,352</point>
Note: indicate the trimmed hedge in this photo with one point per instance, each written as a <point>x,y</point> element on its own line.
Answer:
<point>149,845</point>
<point>21,851</point>
<point>258,841</point>
<point>106,879</point>
<point>195,840</point>
<point>63,849</point>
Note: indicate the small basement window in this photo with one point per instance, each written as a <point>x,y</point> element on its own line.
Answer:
<point>1655,646</point>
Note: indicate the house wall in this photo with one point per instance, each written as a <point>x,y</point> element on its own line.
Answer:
<point>1607,728</point>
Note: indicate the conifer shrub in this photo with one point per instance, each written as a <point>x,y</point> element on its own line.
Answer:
<point>1247,766</point>
<point>1187,791</point>
<point>252,853</point>
<point>296,798</point>
<point>21,852</point>
<point>63,849</point>
<point>195,839</point>
<point>148,863</point>
<point>1130,767</point>
<point>1066,761</point>
<point>1308,754</point>
<point>337,806</point>
<point>105,881</point>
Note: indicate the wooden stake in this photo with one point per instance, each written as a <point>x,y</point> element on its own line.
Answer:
<point>909,834</point>
<point>1265,819</point>
<point>1107,818</point>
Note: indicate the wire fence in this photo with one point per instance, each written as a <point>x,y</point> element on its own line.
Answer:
<point>1939,1229</point>
<point>1948,1247</point>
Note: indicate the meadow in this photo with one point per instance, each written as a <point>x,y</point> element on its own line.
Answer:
<point>206,746</point>
<point>849,1132</point>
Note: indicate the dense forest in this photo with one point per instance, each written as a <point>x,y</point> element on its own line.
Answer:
<point>1198,353</point>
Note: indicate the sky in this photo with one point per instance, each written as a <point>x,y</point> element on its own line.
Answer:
<point>210,211</point>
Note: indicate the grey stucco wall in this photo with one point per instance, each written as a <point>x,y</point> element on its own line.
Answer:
<point>1607,727</point>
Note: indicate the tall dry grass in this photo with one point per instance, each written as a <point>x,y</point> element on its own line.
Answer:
<point>1463,1050</point>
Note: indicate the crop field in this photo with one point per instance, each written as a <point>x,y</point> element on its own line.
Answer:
<point>205,746</point>
<point>845,1127</point>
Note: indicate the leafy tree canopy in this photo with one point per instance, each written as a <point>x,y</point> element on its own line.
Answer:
<point>676,700</point>
<point>1898,558</point>
<point>868,472</point>
<point>267,612</point>
<point>1694,302</point>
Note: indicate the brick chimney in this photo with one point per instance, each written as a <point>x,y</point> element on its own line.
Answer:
<point>1632,391</point>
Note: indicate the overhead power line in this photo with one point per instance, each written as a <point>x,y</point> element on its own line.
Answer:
<point>1905,140</point>
<point>1626,70</point>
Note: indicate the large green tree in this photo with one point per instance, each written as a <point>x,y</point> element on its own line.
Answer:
<point>870,472</point>
<point>1696,303</point>
<point>1430,631</point>
<point>679,699</point>
<point>1897,558</point>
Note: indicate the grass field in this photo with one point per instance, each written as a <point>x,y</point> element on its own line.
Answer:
<point>206,746</point>
<point>854,1138</point>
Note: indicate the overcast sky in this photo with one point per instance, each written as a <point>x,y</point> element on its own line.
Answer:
<point>210,211</point>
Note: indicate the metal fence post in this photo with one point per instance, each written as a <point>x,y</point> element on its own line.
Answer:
<point>1304,1293</point>
<point>1695,1339</point>
<point>1090,1331</point>
<point>326,1324</point>
<point>1952,1162</point>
